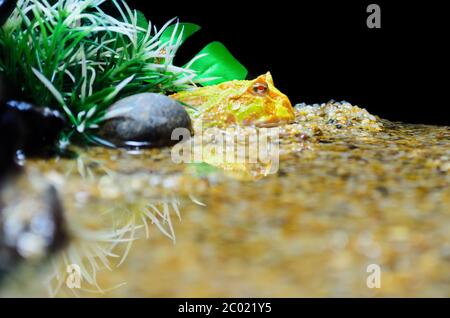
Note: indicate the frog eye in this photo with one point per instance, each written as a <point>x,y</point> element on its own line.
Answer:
<point>260,89</point>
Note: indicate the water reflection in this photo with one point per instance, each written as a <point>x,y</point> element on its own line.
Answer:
<point>113,198</point>
<point>109,212</point>
<point>242,153</point>
<point>238,171</point>
<point>311,230</point>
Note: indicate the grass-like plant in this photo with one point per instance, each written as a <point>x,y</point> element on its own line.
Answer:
<point>71,54</point>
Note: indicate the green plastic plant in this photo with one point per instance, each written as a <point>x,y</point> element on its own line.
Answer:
<point>73,55</point>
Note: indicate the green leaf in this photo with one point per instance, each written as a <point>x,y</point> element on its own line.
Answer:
<point>203,169</point>
<point>142,21</point>
<point>215,64</point>
<point>188,30</point>
<point>49,86</point>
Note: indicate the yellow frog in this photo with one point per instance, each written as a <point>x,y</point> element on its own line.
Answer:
<point>246,103</point>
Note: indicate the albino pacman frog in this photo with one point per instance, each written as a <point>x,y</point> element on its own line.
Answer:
<point>245,103</point>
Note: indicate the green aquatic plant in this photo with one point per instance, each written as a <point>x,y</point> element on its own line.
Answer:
<point>71,54</point>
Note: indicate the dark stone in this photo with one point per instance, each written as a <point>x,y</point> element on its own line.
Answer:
<point>145,120</point>
<point>6,8</point>
<point>34,130</point>
<point>2,90</point>
<point>10,140</point>
<point>32,224</point>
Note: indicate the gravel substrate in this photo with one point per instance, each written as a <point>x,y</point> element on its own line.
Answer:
<point>352,190</point>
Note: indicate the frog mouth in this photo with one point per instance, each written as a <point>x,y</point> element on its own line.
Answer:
<point>272,122</point>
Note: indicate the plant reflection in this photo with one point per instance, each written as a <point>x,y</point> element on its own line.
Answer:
<point>102,231</point>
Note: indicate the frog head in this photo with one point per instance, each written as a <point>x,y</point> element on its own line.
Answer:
<point>260,103</point>
<point>249,103</point>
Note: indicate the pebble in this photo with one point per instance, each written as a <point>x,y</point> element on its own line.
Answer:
<point>144,120</point>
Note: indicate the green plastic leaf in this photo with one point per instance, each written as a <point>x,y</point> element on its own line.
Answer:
<point>142,21</point>
<point>203,169</point>
<point>216,61</point>
<point>188,30</point>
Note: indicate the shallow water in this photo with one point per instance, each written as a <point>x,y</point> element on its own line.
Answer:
<point>341,200</point>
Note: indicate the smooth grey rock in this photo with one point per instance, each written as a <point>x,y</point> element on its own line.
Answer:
<point>145,120</point>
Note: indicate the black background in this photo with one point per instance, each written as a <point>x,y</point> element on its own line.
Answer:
<point>280,307</point>
<point>322,50</point>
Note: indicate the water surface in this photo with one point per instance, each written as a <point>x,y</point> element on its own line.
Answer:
<point>341,200</point>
